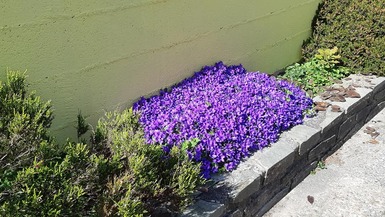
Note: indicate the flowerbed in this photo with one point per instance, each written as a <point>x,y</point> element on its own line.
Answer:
<point>227,112</point>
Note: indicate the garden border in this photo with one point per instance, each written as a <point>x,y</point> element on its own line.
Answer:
<point>264,178</point>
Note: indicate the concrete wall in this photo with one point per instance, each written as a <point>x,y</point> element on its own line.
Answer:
<point>97,55</point>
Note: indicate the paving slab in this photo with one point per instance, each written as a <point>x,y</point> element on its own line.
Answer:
<point>352,184</point>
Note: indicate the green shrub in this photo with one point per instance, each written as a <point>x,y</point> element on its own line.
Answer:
<point>55,187</point>
<point>357,27</point>
<point>37,176</point>
<point>321,70</point>
<point>24,123</point>
<point>143,177</point>
<point>117,174</point>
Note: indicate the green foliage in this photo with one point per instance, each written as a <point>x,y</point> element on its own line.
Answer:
<point>357,27</point>
<point>37,176</point>
<point>189,144</point>
<point>82,127</point>
<point>24,123</point>
<point>55,187</point>
<point>118,174</point>
<point>143,176</point>
<point>320,166</point>
<point>321,70</point>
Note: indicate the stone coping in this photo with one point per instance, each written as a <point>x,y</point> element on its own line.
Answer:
<point>264,178</point>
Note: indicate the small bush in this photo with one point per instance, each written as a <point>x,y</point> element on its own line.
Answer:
<point>357,27</point>
<point>37,176</point>
<point>143,176</point>
<point>63,186</point>
<point>321,70</point>
<point>24,123</point>
<point>229,111</point>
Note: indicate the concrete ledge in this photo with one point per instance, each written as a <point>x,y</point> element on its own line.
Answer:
<point>268,175</point>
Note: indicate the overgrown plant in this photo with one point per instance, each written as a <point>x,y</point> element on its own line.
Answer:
<point>321,70</point>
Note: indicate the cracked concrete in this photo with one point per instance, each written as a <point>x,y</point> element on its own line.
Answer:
<point>353,183</point>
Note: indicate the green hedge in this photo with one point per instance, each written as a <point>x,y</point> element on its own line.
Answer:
<point>357,27</point>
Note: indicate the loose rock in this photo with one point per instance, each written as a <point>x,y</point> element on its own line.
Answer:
<point>336,108</point>
<point>373,141</point>
<point>338,99</point>
<point>374,134</point>
<point>322,104</point>
<point>369,130</point>
<point>320,108</point>
<point>353,94</point>
<point>310,199</point>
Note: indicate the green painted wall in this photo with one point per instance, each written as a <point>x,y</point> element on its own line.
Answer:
<point>99,55</point>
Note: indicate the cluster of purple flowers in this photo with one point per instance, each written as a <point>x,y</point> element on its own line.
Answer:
<point>232,112</point>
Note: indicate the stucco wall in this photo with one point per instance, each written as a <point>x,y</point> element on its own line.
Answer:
<point>97,55</point>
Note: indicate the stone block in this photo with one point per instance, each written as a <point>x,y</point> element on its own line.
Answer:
<point>381,105</point>
<point>379,83</point>
<point>272,202</point>
<point>314,122</point>
<point>286,139</point>
<point>257,201</point>
<point>346,126</point>
<point>207,209</point>
<point>331,123</point>
<point>306,136</point>
<point>245,180</point>
<point>375,111</point>
<point>236,213</point>
<point>276,159</point>
<point>338,145</point>
<point>317,152</point>
<point>301,175</point>
<point>363,114</point>
<point>357,126</point>
<point>380,96</point>
<point>298,166</point>
<point>362,103</point>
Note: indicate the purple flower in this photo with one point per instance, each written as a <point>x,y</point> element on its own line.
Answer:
<point>230,111</point>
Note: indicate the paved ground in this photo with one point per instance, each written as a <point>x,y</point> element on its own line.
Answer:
<point>352,184</point>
